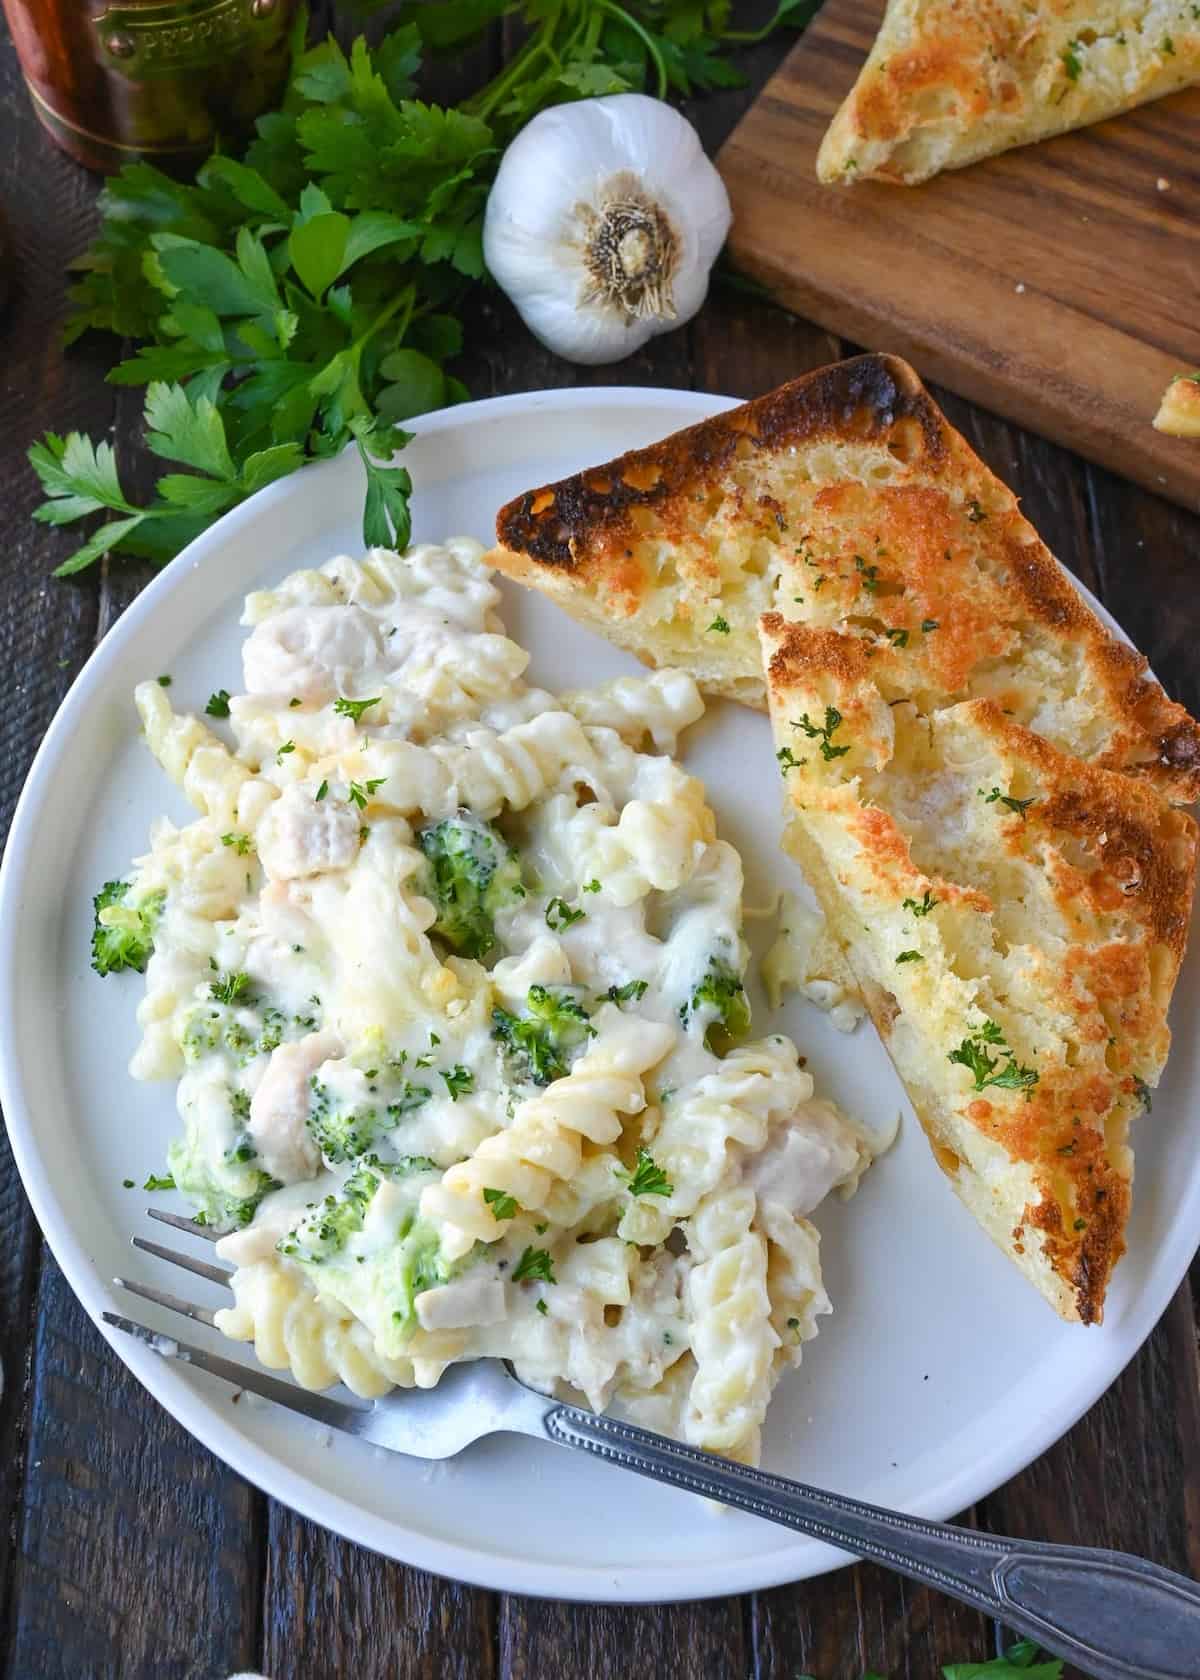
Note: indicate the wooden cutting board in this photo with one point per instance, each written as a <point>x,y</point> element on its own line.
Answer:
<point>1058,284</point>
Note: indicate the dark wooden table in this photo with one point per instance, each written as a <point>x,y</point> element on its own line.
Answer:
<point>132,1553</point>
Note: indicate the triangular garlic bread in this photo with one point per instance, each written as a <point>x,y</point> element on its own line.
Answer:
<point>1015,919</point>
<point>846,502</point>
<point>948,82</point>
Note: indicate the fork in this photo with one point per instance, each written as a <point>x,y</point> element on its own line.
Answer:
<point>1116,1616</point>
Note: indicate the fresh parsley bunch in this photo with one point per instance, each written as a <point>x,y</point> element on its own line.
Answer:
<point>304,297</point>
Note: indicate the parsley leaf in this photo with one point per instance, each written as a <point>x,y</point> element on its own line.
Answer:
<point>1020,806</point>
<point>503,1205</point>
<point>159,1181</point>
<point>361,793</point>
<point>241,843</point>
<point>631,991</point>
<point>986,1069</point>
<point>788,760</point>
<point>910,956</point>
<point>920,909</point>
<point>535,1263</point>
<point>647,1178</point>
<point>353,709</point>
<point>218,703</point>
<point>460,1081</point>
<point>833,720</point>
<point>720,625</point>
<point>559,915</point>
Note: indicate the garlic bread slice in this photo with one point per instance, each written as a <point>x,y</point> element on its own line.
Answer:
<point>845,501</point>
<point>1015,918</point>
<point>948,82</point>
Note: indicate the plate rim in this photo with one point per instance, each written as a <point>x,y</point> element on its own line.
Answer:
<point>258,1463</point>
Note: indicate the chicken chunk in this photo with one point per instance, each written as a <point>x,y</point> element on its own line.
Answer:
<point>279,1108</point>
<point>301,835</point>
<point>309,653</point>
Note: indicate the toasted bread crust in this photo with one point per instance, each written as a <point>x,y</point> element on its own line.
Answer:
<point>585,523</point>
<point>842,498</point>
<point>1101,869</point>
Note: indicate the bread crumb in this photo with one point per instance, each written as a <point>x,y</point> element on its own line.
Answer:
<point>1020,286</point>
<point>1163,184</point>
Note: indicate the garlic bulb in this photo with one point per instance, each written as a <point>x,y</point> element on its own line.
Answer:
<point>602,224</point>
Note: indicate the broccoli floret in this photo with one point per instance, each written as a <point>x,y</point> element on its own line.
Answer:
<point>224,1191</point>
<point>720,1002</point>
<point>378,1287</point>
<point>123,933</point>
<point>325,1228</point>
<point>345,1134</point>
<point>474,872</point>
<point>540,1041</point>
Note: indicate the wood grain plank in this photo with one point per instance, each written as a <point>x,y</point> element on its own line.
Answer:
<point>46,632</point>
<point>543,1640</point>
<point>1055,284</point>
<point>137,1549</point>
<point>334,1609</point>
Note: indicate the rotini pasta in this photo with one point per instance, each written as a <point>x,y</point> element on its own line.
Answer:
<point>450,975</point>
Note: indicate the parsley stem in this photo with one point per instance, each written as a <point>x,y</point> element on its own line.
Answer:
<point>656,58</point>
<point>486,101</point>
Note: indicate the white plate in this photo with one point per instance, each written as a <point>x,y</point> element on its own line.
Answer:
<point>940,1374</point>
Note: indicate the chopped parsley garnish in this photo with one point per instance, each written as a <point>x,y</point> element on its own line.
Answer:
<point>128,1184</point>
<point>1143,1092</point>
<point>910,956</point>
<point>929,624</point>
<point>559,915</point>
<point>354,709</point>
<point>1080,1225</point>
<point>164,682</point>
<point>788,760</point>
<point>218,703</point>
<point>591,886</point>
<point>362,792</point>
<point>833,720</point>
<point>897,637</point>
<point>869,574</point>
<point>923,908</point>
<point>321,792</point>
<point>460,1081</point>
<point>535,1263</point>
<point>1020,806</point>
<point>1168,46</point>
<point>159,1181</point>
<point>720,625</point>
<point>294,702</point>
<point>542,1307</point>
<point>631,991</point>
<point>229,988</point>
<point>986,1070</point>
<point>975,511</point>
<point>241,843</point>
<point>503,1205</point>
<point>282,752</point>
<point>648,1178</point>
<point>239,1105</point>
<point>818,582</point>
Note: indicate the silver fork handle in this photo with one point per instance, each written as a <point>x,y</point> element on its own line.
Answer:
<point>1118,1617</point>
